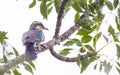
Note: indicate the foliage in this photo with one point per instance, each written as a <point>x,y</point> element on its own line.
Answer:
<point>88,34</point>
<point>8,52</point>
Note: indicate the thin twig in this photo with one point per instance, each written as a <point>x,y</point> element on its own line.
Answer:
<point>104,46</point>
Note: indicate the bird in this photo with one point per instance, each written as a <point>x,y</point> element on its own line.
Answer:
<point>31,37</point>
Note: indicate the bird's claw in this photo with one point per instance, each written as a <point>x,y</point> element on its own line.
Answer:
<point>36,46</point>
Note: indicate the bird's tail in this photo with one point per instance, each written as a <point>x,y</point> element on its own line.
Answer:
<point>30,52</point>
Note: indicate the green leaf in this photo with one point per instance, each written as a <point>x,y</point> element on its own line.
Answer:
<point>118,51</point>
<point>16,72</point>
<point>111,30</point>
<point>9,72</point>
<point>69,43</point>
<point>119,13</point>
<point>117,22</point>
<point>5,58</point>
<point>86,38</point>
<point>76,41</point>
<point>95,66</point>
<point>78,63</point>
<point>77,16</point>
<point>101,67</point>
<point>45,0</point>
<point>57,4</point>
<point>89,47</point>
<point>107,67</point>
<point>65,51</point>
<point>69,3</point>
<point>101,2</point>
<point>39,0</point>
<point>49,7</point>
<point>95,39</point>
<point>50,10</point>
<point>28,68</point>
<point>83,31</point>
<point>15,51</point>
<point>2,36</point>
<point>91,8</point>
<point>10,53</point>
<point>115,3</point>
<point>118,64</point>
<point>85,63</point>
<point>43,9</point>
<point>76,6</point>
<point>82,50</point>
<point>109,4</point>
<point>66,11</point>
<point>94,27</point>
<point>91,59</point>
<point>87,23</point>
<point>32,4</point>
<point>32,64</point>
<point>118,69</point>
<point>83,3</point>
<point>115,38</point>
<point>90,1</point>
<point>49,4</point>
<point>73,41</point>
<point>100,16</point>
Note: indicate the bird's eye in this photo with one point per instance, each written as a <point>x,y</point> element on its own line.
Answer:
<point>39,27</point>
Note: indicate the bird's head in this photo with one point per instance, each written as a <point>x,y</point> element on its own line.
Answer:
<point>37,25</point>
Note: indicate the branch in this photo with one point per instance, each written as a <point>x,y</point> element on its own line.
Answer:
<point>67,34</point>
<point>59,18</point>
<point>48,45</point>
<point>12,63</point>
<point>72,59</point>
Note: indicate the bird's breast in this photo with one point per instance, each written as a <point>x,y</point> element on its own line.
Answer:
<point>33,36</point>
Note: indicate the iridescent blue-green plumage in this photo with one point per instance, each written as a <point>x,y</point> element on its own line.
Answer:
<point>32,36</point>
<point>31,53</point>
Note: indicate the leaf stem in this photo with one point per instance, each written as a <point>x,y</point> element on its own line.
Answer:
<point>104,46</point>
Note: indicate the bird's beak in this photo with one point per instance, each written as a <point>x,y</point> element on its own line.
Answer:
<point>45,28</point>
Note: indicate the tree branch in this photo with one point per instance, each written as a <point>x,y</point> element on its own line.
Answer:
<point>12,63</point>
<point>71,59</point>
<point>59,18</point>
<point>48,45</point>
<point>65,35</point>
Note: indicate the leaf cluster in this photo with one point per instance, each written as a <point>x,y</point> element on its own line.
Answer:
<point>9,51</point>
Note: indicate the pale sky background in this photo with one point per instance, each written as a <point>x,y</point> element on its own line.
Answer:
<point>16,18</point>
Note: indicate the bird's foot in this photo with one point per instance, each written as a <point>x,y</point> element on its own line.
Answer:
<point>36,46</point>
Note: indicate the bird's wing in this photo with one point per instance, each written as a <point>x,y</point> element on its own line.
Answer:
<point>32,36</point>
<point>24,37</point>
